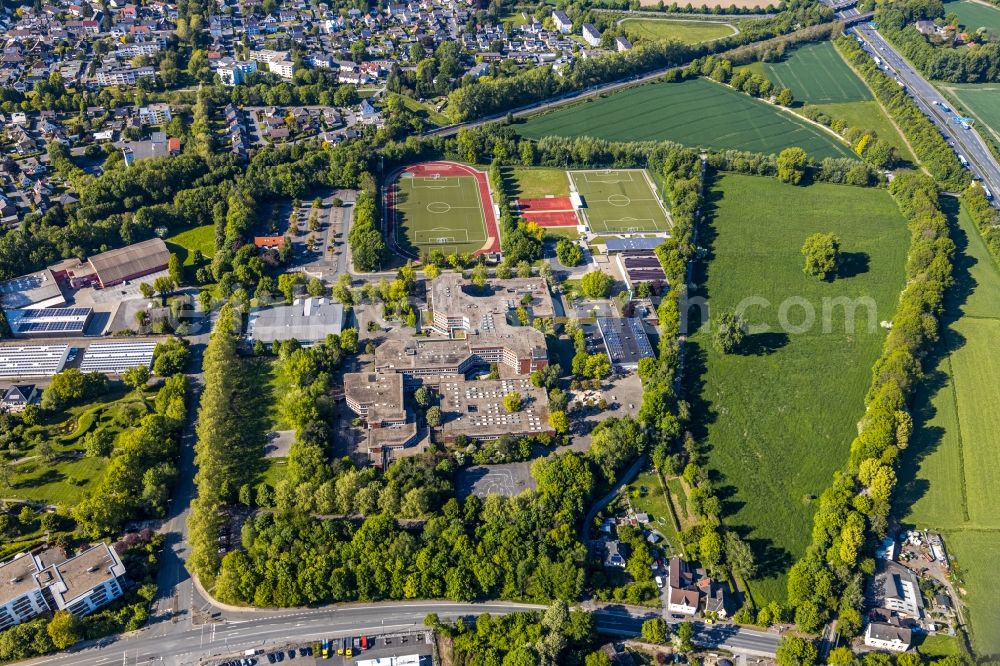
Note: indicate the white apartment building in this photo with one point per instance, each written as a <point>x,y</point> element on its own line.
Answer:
<point>34,584</point>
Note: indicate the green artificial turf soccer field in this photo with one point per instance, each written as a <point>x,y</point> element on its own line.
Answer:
<point>778,417</point>
<point>816,74</point>
<point>439,213</point>
<point>619,201</point>
<point>698,113</point>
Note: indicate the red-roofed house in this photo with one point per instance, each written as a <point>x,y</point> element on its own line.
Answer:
<point>269,241</point>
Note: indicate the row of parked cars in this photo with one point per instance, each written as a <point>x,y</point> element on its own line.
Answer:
<point>253,657</point>
<point>347,647</point>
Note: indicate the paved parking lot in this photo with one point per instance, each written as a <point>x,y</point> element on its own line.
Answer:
<point>506,480</point>
<point>295,654</point>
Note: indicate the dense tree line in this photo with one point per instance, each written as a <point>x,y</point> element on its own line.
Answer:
<point>852,516</point>
<point>142,466</point>
<point>227,452</point>
<point>940,62</point>
<point>985,216</point>
<point>557,635</point>
<point>927,142</point>
<point>365,238</point>
<point>841,170</point>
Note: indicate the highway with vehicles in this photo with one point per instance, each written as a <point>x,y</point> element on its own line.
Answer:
<point>963,138</point>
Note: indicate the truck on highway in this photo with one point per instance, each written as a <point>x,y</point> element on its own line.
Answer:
<point>965,162</point>
<point>989,195</point>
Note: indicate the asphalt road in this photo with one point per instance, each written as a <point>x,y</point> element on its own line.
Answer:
<point>966,142</point>
<point>189,644</point>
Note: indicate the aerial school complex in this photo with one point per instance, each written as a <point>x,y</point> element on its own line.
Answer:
<point>449,207</point>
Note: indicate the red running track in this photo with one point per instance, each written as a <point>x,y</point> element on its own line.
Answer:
<point>546,204</point>
<point>446,169</point>
<point>552,219</point>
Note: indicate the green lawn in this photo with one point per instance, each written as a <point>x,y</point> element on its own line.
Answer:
<point>779,415</point>
<point>816,74</point>
<point>698,113</point>
<point>938,645</point>
<point>184,244</point>
<point>951,471</point>
<point>687,32</point>
<point>646,494</point>
<point>975,15</point>
<point>425,110</point>
<point>68,478</point>
<point>982,102</point>
<point>869,116</point>
<point>529,183</point>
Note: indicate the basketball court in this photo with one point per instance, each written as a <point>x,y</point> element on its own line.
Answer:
<point>619,201</point>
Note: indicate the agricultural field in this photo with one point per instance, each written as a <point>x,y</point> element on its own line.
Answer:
<point>778,420</point>
<point>687,32</point>
<point>62,473</point>
<point>698,113</point>
<point>974,15</point>
<point>531,183</point>
<point>438,212</point>
<point>981,101</point>
<point>951,470</point>
<point>816,74</point>
<point>619,201</point>
<point>184,244</point>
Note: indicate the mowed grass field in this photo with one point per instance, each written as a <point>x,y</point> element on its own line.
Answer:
<point>619,201</point>
<point>982,102</point>
<point>698,113</point>
<point>950,473</point>
<point>975,15</point>
<point>197,238</point>
<point>779,416</point>
<point>816,74</point>
<point>687,32</point>
<point>530,183</point>
<point>439,213</point>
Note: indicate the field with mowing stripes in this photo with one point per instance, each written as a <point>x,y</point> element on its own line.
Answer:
<point>982,102</point>
<point>816,74</point>
<point>975,15</point>
<point>439,213</point>
<point>950,473</point>
<point>698,113</point>
<point>687,32</point>
<point>779,416</point>
<point>619,201</point>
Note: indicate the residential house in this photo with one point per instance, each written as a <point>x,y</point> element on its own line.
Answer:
<point>591,35</point>
<point>885,632</point>
<point>19,396</point>
<point>562,22</point>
